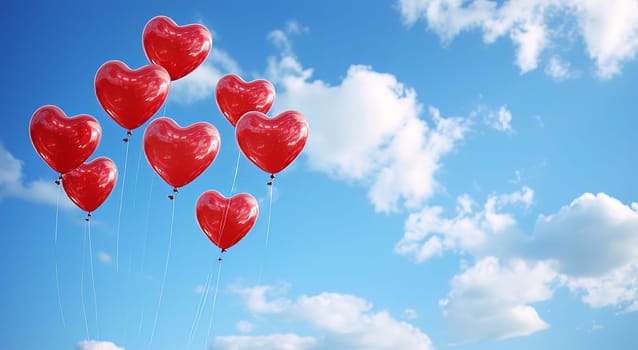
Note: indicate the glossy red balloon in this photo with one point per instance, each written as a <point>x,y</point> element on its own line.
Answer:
<point>90,184</point>
<point>236,97</point>
<point>63,142</point>
<point>131,97</point>
<point>272,144</point>
<point>179,49</point>
<point>179,155</point>
<point>225,221</point>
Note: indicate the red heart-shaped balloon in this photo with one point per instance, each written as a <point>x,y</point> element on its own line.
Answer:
<point>90,184</point>
<point>225,221</point>
<point>236,97</point>
<point>131,97</point>
<point>179,49</point>
<point>179,155</point>
<point>63,143</point>
<point>272,144</point>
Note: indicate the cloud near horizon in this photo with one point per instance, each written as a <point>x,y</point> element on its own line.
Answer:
<point>97,345</point>
<point>341,321</point>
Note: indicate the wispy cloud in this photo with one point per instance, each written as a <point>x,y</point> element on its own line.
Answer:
<point>559,69</point>
<point>245,326</point>
<point>105,258</point>
<point>12,184</point>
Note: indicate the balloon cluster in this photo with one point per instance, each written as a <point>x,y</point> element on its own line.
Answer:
<point>178,155</point>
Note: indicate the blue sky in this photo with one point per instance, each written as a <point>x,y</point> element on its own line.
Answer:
<point>467,183</point>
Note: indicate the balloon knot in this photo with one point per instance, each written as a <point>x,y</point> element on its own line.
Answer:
<point>88,216</point>
<point>223,251</point>
<point>272,178</point>
<point>129,133</point>
<point>174,189</point>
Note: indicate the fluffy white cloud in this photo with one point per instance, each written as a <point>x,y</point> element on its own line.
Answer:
<point>265,342</point>
<point>590,237</point>
<point>594,243</point>
<point>343,321</point>
<point>619,287</point>
<point>97,345</point>
<point>200,84</point>
<point>609,28</point>
<point>367,129</point>
<point>428,233</point>
<point>589,246</point>
<point>491,299</point>
<point>38,191</point>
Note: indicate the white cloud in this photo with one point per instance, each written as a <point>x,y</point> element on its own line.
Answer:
<point>200,84</point>
<point>38,191</point>
<point>428,233</point>
<point>97,345</point>
<point>343,321</point>
<point>589,246</point>
<point>618,287</point>
<point>609,29</point>
<point>594,243</point>
<point>590,237</point>
<point>559,70</point>
<point>531,39</point>
<point>367,129</point>
<point>500,120</point>
<point>491,299</point>
<point>199,289</point>
<point>410,314</point>
<point>265,342</point>
<point>105,257</point>
<point>245,326</point>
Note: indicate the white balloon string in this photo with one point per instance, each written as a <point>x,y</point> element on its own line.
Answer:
<point>55,255</point>
<point>269,215</point>
<point>144,249</point>
<point>97,326</point>
<point>212,314</point>
<point>86,322</point>
<point>119,213</point>
<point>168,255</point>
<point>232,187</point>
<point>203,299</point>
<point>200,308</point>
<point>261,267</point>
<point>137,174</point>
